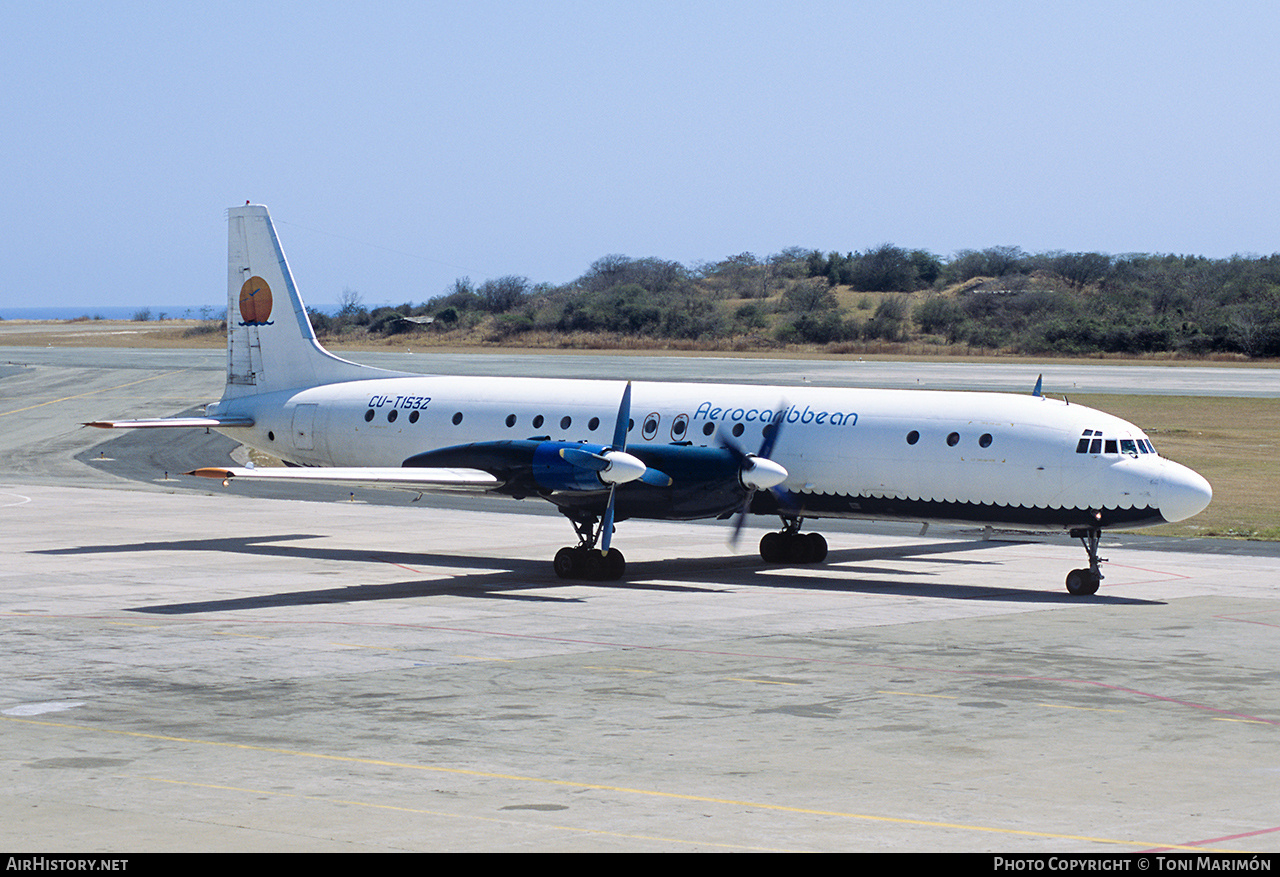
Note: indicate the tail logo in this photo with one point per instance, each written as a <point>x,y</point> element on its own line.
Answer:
<point>255,302</point>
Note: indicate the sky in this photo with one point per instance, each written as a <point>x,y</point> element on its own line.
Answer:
<point>402,145</point>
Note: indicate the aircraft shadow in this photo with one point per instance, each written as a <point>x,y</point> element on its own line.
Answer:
<point>860,571</point>
<point>869,580</point>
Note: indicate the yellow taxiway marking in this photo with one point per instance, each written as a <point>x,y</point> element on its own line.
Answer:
<point>761,681</point>
<point>93,392</point>
<point>475,818</point>
<point>618,669</point>
<point>625,790</point>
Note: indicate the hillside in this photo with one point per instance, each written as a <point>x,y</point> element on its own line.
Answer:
<point>885,300</point>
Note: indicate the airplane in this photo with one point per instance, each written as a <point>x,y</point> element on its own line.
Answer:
<point>990,459</point>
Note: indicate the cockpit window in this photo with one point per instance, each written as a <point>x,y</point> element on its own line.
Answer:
<point>1091,442</point>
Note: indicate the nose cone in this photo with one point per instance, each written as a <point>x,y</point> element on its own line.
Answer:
<point>1183,492</point>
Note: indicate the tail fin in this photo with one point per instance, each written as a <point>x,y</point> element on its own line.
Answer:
<point>270,343</point>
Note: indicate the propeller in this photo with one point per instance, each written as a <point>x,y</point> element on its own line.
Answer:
<point>615,466</point>
<point>757,471</point>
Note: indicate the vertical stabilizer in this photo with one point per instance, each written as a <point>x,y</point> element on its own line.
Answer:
<point>270,343</point>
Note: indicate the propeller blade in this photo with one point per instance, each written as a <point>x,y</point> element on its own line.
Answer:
<point>757,471</point>
<point>739,521</point>
<point>613,467</point>
<point>584,459</point>
<point>624,420</point>
<point>606,523</point>
<point>771,433</point>
<point>656,478</point>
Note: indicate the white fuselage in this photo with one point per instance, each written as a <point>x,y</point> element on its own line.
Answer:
<point>925,455</point>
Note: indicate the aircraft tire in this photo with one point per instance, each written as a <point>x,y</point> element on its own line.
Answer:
<point>771,548</point>
<point>613,565</point>
<point>568,563</point>
<point>817,547</point>
<point>799,548</point>
<point>1082,583</point>
<point>592,566</point>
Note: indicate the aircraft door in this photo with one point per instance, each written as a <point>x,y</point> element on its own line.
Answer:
<point>304,424</point>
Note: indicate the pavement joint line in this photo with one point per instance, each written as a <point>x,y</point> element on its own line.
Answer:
<point>474,817</point>
<point>1092,683</point>
<point>654,793</point>
<point>93,392</point>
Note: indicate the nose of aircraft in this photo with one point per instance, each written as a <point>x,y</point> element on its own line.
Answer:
<point>1183,492</point>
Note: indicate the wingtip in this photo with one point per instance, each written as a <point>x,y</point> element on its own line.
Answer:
<point>212,472</point>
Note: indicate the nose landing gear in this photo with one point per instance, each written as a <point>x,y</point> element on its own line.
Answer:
<point>1083,582</point>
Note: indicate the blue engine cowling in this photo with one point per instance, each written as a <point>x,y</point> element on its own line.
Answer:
<point>704,480</point>
<point>527,466</point>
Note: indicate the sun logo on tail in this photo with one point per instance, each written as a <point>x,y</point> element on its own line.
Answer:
<point>255,302</point>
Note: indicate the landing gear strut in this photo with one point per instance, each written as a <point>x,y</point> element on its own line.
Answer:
<point>792,546</point>
<point>585,560</point>
<point>1082,582</point>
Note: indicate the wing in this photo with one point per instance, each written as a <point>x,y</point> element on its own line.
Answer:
<point>173,422</point>
<point>433,480</point>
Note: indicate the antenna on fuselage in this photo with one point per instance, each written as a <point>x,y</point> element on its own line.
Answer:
<point>1039,385</point>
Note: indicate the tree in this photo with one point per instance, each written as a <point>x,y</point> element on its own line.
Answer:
<point>1079,269</point>
<point>809,296</point>
<point>502,294</point>
<point>350,304</point>
<point>885,268</point>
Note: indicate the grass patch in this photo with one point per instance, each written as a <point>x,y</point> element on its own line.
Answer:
<point>1233,442</point>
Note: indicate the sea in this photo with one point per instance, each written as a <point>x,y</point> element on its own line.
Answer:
<point>155,312</point>
<point>107,312</point>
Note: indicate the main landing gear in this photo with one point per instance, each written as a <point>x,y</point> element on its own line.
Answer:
<point>792,546</point>
<point>1082,582</point>
<point>585,560</point>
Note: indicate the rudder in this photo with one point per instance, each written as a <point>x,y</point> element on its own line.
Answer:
<point>270,343</point>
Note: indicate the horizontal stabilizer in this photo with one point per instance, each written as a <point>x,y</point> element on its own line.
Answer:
<point>173,423</point>
<point>441,480</point>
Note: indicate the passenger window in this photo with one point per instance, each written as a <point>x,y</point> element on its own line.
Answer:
<point>593,424</point>
<point>913,437</point>
<point>413,416</point>
<point>985,440</point>
<point>708,428</point>
<point>511,420</point>
<point>537,421</point>
<point>679,426</point>
<point>953,439</point>
<point>391,416</point>
<point>650,428</point>
<point>565,421</point>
